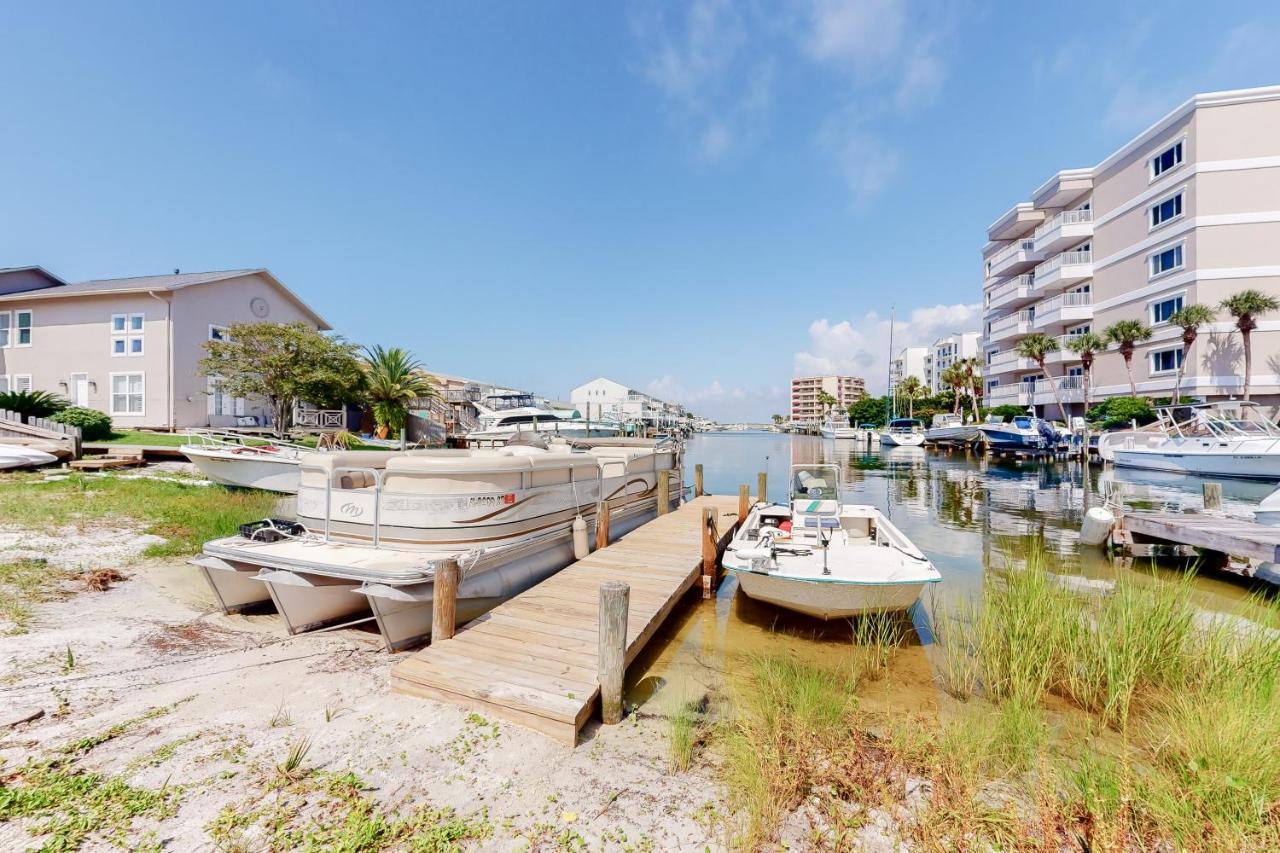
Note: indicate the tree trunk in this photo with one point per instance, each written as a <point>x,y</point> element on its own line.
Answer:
<point>1128,368</point>
<point>1248,359</point>
<point>973,398</point>
<point>1188,338</point>
<point>1057,396</point>
<point>955,404</point>
<point>1084,396</point>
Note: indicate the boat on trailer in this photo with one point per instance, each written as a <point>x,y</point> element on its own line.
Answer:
<point>371,531</point>
<point>825,558</point>
<point>1230,438</point>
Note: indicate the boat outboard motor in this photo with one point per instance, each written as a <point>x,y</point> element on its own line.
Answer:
<point>1047,432</point>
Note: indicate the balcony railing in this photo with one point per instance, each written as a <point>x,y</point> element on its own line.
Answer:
<point>1012,286</point>
<point>1024,244</point>
<point>1064,259</point>
<point>1066,217</point>
<point>1065,384</point>
<point>1002,358</point>
<point>1064,300</point>
<point>1012,391</point>
<point>1012,321</point>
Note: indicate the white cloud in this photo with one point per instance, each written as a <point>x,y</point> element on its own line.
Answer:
<point>720,402</point>
<point>861,347</point>
<point>866,163</point>
<point>861,35</point>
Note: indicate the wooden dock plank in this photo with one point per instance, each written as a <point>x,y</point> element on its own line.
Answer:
<point>1233,536</point>
<point>533,659</point>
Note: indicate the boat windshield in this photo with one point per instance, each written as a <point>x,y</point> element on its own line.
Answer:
<point>1225,421</point>
<point>819,482</point>
<point>1022,422</point>
<point>907,424</point>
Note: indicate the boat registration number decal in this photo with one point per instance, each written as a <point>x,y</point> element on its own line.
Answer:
<point>438,505</point>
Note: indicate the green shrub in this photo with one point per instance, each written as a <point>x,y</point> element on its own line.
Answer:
<point>1009,410</point>
<point>1118,412</point>
<point>32,404</point>
<point>94,425</point>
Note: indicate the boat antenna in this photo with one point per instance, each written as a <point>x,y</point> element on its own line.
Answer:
<point>887,414</point>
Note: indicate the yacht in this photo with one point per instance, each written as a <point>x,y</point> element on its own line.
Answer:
<point>837,426</point>
<point>504,416</point>
<point>1231,438</point>
<point>951,429</point>
<point>371,528</point>
<point>902,432</point>
<point>823,558</point>
<point>1023,432</point>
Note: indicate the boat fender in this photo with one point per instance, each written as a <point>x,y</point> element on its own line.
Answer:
<point>1096,526</point>
<point>580,546</point>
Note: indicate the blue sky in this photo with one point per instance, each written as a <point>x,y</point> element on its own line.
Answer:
<point>697,199</point>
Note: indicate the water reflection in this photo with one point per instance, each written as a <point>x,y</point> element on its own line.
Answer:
<point>967,512</point>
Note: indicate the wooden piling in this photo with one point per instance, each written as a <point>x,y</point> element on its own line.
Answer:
<point>744,503</point>
<point>1212,495</point>
<point>602,525</point>
<point>697,480</point>
<point>444,600</point>
<point>762,487</point>
<point>710,551</point>
<point>612,659</point>
<point>664,492</point>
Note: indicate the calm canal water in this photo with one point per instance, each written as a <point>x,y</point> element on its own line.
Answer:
<point>969,513</point>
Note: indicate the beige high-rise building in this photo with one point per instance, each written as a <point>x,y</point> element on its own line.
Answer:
<point>1187,212</point>
<point>805,407</point>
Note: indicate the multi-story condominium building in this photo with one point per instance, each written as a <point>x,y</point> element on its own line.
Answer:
<point>805,407</point>
<point>129,346</point>
<point>1187,212</point>
<point>911,361</point>
<point>945,352</point>
<point>606,398</point>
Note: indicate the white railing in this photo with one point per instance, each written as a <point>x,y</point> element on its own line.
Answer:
<point>1064,300</point>
<point>1065,217</point>
<point>1005,356</point>
<point>1064,384</point>
<point>1064,259</point>
<point>1064,346</point>
<point>1023,244</point>
<point>1013,285</point>
<point>1012,321</point>
<point>319,418</point>
<point>1006,392</point>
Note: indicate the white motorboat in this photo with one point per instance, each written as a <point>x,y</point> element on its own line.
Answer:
<point>1022,432</point>
<point>372,528</point>
<point>837,426</point>
<point>21,456</point>
<point>902,432</point>
<point>951,429</point>
<point>250,463</point>
<point>503,417</point>
<point>823,558</point>
<point>1231,438</point>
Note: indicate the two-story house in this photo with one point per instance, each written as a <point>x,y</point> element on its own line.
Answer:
<point>130,346</point>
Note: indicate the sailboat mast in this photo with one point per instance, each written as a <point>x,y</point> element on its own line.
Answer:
<point>888,414</point>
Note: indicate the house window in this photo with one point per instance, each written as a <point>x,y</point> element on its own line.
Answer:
<point>1163,211</point>
<point>1167,159</point>
<point>22,328</point>
<point>127,393</point>
<point>1166,260</point>
<point>1166,360</point>
<point>1164,309</point>
<point>6,328</point>
<point>219,333</point>
<point>21,382</point>
<point>126,334</point>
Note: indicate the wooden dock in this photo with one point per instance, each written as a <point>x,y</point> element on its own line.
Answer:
<point>533,659</point>
<point>1216,533</point>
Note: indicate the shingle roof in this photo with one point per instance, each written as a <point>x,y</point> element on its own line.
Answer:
<point>153,282</point>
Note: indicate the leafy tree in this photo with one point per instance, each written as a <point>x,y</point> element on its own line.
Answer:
<point>284,364</point>
<point>32,404</point>
<point>910,389</point>
<point>955,378</point>
<point>868,410</point>
<point>826,401</point>
<point>1190,318</point>
<point>1087,346</point>
<point>1127,334</point>
<point>1118,412</point>
<point>1245,306</point>
<point>973,372</point>
<point>394,380</point>
<point>1037,347</point>
<point>778,419</point>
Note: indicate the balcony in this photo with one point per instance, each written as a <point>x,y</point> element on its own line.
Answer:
<point>1018,257</point>
<point>1007,361</point>
<point>1065,229</point>
<point>1013,394</point>
<point>1064,308</point>
<point>1070,389</point>
<point>1014,326</point>
<point>1063,354</point>
<point>1063,269</point>
<point>1014,293</point>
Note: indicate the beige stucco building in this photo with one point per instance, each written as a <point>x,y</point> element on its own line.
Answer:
<point>805,407</point>
<point>1187,212</point>
<point>130,346</point>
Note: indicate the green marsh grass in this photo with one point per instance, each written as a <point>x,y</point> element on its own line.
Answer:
<point>686,723</point>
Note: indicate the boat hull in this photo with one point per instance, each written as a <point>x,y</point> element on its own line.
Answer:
<point>825,599</point>
<point>307,602</point>
<point>953,435</point>
<point>1252,466</point>
<point>1013,439</point>
<point>901,439</point>
<point>246,471</point>
<point>234,584</point>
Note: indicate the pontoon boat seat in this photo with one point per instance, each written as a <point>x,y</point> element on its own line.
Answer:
<point>316,468</point>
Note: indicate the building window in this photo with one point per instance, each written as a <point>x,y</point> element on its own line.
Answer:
<point>1167,159</point>
<point>1163,211</point>
<point>1166,260</point>
<point>20,333</point>
<point>127,393</point>
<point>1164,309</point>
<point>1166,360</point>
<point>126,334</point>
<point>219,333</point>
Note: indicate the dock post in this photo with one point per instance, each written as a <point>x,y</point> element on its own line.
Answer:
<point>602,524</point>
<point>710,541</point>
<point>612,661</point>
<point>762,487</point>
<point>444,600</point>
<point>744,503</point>
<point>697,480</point>
<point>664,492</point>
<point>1212,495</point>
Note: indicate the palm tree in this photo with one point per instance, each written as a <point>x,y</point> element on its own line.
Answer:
<point>973,373</point>
<point>1127,334</point>
<point>395,379</point>
<point>956,378</point>
<point>1245,306</point>
<point>1190,318</point>
<point>1086,346</point>
<point>910,388</point>
<point>1037,347</point>
<point>778,419</point>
